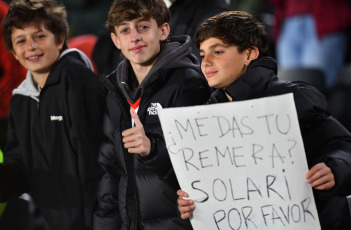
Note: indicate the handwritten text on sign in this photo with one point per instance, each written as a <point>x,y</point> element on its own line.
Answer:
<point>242,163</point>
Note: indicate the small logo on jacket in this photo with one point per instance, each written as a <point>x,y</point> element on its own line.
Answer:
<point>154,108</point>
<point>56,118</point>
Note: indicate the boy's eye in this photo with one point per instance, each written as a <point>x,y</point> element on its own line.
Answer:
<point>40,36</point>
<point>218,52</point>
<point>143,27</point>
<point>123,31</point>
<point>20,41</point>
<point>202,57</point>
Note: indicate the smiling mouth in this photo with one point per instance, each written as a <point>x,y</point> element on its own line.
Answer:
<point>34,58</point>
<point>210,73</point>
<point>137,48</point>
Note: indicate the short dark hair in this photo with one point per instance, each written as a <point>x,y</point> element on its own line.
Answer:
<point>235,28</point>
<point>23,13</point>
<point>127,10</point>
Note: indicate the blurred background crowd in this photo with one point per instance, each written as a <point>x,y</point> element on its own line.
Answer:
<point>310,40</point>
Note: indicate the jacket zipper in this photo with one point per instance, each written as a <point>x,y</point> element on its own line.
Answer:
<point>136,206</point>
<point>136,219</point>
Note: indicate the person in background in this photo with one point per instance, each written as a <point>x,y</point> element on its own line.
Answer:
<point>235,61</point>
<point>312,34</point>
<point>55,118</point>
<point>138,190</point>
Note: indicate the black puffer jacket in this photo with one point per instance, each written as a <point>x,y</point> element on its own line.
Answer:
<point>325,139</point>
<point>138,192</point>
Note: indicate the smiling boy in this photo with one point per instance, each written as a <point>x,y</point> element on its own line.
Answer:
<point>139,188</point>
<point>55,119</point>
<point>234,50</point>
<point>42,53</point>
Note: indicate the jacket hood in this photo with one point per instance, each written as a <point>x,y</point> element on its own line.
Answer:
<point>29,87</point>
<point>258,75</point>
<point>253,82</point>
<point>177,53</point>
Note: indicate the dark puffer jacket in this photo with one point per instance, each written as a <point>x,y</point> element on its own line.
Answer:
<point>141,192</point>
<point>325,139</point>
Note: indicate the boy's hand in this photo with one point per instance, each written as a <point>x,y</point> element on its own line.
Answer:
<point>186,207</point>
<point>134,139</point>
<point>320,177</point>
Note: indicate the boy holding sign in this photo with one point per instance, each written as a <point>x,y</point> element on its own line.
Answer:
<point>234,49</point>
<point>139,188</point>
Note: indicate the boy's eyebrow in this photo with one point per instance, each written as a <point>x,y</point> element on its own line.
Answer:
<point>144,19</point>
<point>21,35</point>
<point>213,47</point>
<point>139,20</point>
<point>122,24</point>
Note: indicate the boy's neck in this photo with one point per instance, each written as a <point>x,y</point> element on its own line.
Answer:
<point>141,72</point>
<point>40,79</point>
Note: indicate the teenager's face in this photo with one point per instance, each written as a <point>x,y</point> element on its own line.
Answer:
<point>222,64</point>
<point>139,40</point>
<point>36,49</point>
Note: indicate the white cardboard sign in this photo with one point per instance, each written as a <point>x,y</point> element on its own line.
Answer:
<point>243,163</point>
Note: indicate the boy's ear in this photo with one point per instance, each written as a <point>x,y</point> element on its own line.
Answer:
<point>252,54</point>
<point>62,41</point>
<point>115,40</point>
<point>164,29</point>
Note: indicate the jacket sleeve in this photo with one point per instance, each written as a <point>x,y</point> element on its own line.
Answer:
<point>13,180</point>
<point>193,91</point>
<point>107,215</point>
<point>325,139</point>
<point>86,98</point>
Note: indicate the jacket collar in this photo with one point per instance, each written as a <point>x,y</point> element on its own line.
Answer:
<point>65,56</point>
<point>255,80</point>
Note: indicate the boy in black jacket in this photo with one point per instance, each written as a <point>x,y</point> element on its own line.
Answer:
<point>139,188</point>
<point>234,49</point>
<point>55,120</point>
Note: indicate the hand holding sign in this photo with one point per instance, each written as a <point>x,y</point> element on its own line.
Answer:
<point>320,177</point>
<point>135,139</point>
<point>186,207</point>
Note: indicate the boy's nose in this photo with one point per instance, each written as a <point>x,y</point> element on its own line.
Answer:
<point>206,62</point>
<point>135,36</point>
<point>32,45</point>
